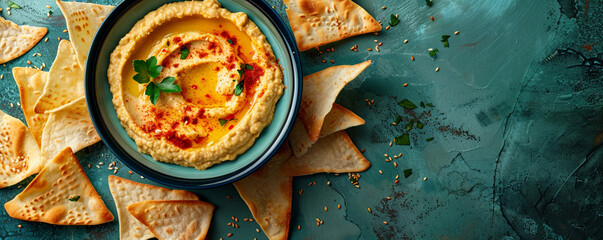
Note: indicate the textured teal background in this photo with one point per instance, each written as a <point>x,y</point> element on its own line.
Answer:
<point>514,154</point>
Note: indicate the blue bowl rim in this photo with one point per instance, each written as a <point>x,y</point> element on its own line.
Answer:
<point>130,162</point>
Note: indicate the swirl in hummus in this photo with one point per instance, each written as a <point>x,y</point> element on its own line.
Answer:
<point>206,123</point>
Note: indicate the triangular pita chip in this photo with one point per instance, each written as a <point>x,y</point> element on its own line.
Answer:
<point>321,90</point>
<point>16,40</point>
<point>318,22</point>
<point>339,118</point>
<point>267,193</point>
<point>83,21</point>
<point>126,192</point>
<point>31,84</point>
<point>68,126</point>
<point>61,194</point>
<point>335,153</point>
<point>174,219</point>
<point>19,153</point>
<point>65,80</point>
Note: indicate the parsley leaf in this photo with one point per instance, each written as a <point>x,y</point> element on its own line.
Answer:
<point>445,40</point>
<point>393,20</point>
<point>422,104</point>
<point>13,5</point>
<point>184,53</point>
<point>419,125</point>
<point>248,67</point>
<point>222,121</point>
<point>230,41</point>
<point>429,139</point>
<point>409,125</point>
<point>239,88</point>
<point>429,2</point>
<point>433,52</point>
<point>74,199</point>
<point>153,92</point>
<point>168,86</point>
<point>407,104</point>
<point>404,139</point>
<point>407,172</point>
<point>146,70</point>
<point>398,119</point>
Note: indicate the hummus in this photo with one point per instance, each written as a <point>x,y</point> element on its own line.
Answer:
<point>210,120</point>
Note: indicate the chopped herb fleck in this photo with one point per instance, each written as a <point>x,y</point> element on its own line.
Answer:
<point>419,125</point>
<point>407,104</point>
<point>422,104</point>
<point>74,199</point>
<point>393,20</point>
<point>167,85</point>
<point>410,125</point>
<point>429,139</point>
<point>404,139</point>
<point>239,88</point>
<point>222,121</point>
<point>50,12</point>
<point>433,52</point>
<point>429,104</point>
<point>398,119</point>
<point>13,5</point>
<point>407,172</point>
<point>429,3</point>
<point>248,67</point>
<point>230,41</point>
<point>184,53</point>
<point>445,40</point>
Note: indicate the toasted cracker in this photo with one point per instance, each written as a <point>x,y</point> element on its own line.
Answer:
<point>68,126</point>
<point>335,153</point>
<point>318,22</point>
<point>268,195</point>
<point>126,192</point>
<point>321,90</point>
<point>31,84</point>
<point>83,21</point>
<point>61,194</point>
<point>174,219</point>
<point>339,118</point>
<point>19,153</point>
<point>16,40</point>
<point>65,80</point>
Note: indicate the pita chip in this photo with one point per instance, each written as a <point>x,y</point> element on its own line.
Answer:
<point>321,90</point>
<point>83,21</point>
<point>318,22</point>
<point>68,126</point>
<point>173,219</point>
<point>16,40</point>
<point>65,81</point>
<point>268,195</point>
<point>19,153</point>
<point>31,84</point>
<point>61,194</point>
<point>339,118</point>
<point>126,192</point>
<point>335,153</point>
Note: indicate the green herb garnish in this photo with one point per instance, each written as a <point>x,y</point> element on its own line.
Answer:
<point>74,199</point>
<point>407,104</point>
<point>239,88</point>
<point>146,70</point>
<point>248,67</point>
<point>433,52</point>
<point>230,41</point>
<point>222,121</point>
<point>445,40</point>
<point>50,12</point>
<point>184,53</point>
<point>398,119</point>
<point>409,125</point>
<point>167,85</point>
<point>429,2</point>
<point>422,104</point>
<point>353,179</point>
<point>407,172</point>
<point>13,5</point>
<point>429,104</point>
<point>429,139</point>
<point>393,20</point>
<point>404,139</point>
<point>419,125</point>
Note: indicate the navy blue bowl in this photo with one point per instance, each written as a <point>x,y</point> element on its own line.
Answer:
<point>108,126</point>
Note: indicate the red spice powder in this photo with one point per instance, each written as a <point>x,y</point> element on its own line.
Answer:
<point>173,138</point>
<point>177,40</point>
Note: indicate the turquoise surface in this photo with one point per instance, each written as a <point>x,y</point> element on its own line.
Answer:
<point>514,154</point>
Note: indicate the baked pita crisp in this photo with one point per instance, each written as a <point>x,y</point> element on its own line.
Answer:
<point>65,80</point>
<point>31,84</point>
<point>339,118</point>
<point>16,40</point>
<point>83,21</point>
<point>335,153</point>
<point>126,192</point>
<point>173,219</point>
<point>268,195</point>
<point>61,194</point>
<point>318,22</point>
<point>68,126</point>
<point>19,153</point>
<point>321,90</point>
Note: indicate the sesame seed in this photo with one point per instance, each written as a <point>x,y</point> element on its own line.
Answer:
<point>257,230</point>
<point>130,172</point>
<point>376,33</point>
<point>412,58</point>
<point>301,191</point>
<point>369,49</point>
<point>381,43</point>
<point>101,163</point>
<point>326,209</point>
<point>457,33</point>
<point>46,40</point>
<point>385,222</point>
<point>338,206</point>
<point>332,61</point>
<point>88,165</point>
<point>1,76</point>
<point>437,69</point>
<point>387,28</point>
<point>229,235</point>
<point>380,172</point>
<point>431,18</point>
<point>385,155</point>
<point>363,150</point>
<point>406,84</point>
<point>395,164</point>
<point>8,11</point>
<point>28,62</point>
<point>397,176</point>
<point>19,226</point>
<point>298,227</point>
<point>142,177</point>
<point>11,105</point>
<point>369,210</point>
<point>59,38</point>
<point>384,7</point>
<point>317,224</point>
<point>65,30</point>
<point>390,144</point>
<point>324,61</point>
<point>397,181</point>
<point>405,40</point>
<point>430,49</point>
<point>377,48</point>
<point>425,179</point>
<point>48,14</point>
<point>328,183</point>
<point>389,198</point>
